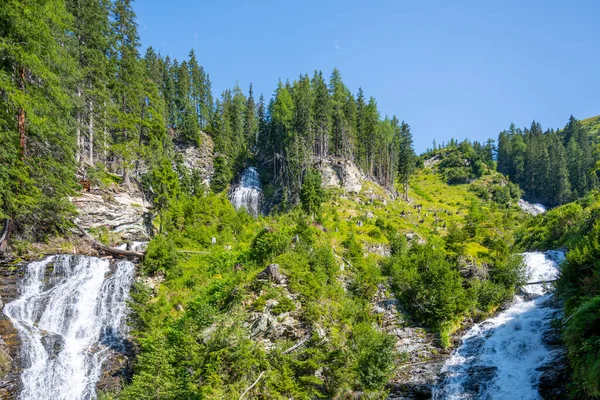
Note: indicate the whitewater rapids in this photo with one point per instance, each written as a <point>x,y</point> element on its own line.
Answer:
<point>499,358</point>
<point>70,314</point>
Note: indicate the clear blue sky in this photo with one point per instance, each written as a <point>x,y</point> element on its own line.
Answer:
<point>448,68</point>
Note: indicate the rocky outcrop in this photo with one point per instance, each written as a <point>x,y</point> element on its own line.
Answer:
<point>422,358</point>
<point>125,214</point>
<point>339,172</point>
<point>198,158</point>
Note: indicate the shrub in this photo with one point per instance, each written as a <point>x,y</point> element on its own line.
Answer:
<point>583,341</point>
<point>374,356</point>
<point>161,255</point>
<point>268,244</point>
<point>285,304</point>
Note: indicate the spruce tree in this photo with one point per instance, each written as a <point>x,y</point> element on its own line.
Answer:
<point>406,157</point>
<point>94,40</point>
<point>250,121</point>
<point>37,152</point>
<point>321,115</point>
<point>126,88</point>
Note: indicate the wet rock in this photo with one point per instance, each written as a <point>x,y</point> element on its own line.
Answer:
<point>477,375</point>
<point>554,377</point>
<point>54,344</point>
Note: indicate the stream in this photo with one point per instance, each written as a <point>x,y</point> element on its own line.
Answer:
<point>70,315</point>
<point>500,358</point>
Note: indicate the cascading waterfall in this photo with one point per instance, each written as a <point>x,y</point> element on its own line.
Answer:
<point>70,316</point>
<point>247,193</point>
<point>499,358</point>
<point>532,208</point>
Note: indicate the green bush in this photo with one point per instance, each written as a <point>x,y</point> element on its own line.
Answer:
<point>268,244</point>
<point>374,356</point>
<point>285,304</point>
<point>161,255</point>
<point>582,336</point>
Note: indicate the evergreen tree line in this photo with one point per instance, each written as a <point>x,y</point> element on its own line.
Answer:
<point>553,167</point>
<point>80,100</point>
<point>311,119</point>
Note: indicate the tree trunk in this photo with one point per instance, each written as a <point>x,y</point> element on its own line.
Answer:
<point>21,116</point>
<point>108,249</point>
<point>91,132</point>
<point>5,234</point>
<point>79,149</point>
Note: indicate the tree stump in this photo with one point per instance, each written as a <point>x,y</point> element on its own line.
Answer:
<point>272,273</point>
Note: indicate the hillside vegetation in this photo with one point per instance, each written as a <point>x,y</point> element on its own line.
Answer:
<point>216,323</point>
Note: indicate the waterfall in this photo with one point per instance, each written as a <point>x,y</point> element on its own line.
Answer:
<point>533,209</point>
<point>499,358</point>
<point>70,315</point>
<point>247,193</point>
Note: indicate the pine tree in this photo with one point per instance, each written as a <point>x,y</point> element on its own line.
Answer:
<point>312,195</point>
<point>94,40</point>
<point>321,115</point>
<point>187,122</point>
<point>37,151</point>
<point>250,121</point>
<point>361,150</point>
<point>371,133</point>
<point>126,88</point>
<point>406,157</point>
<point>559,187</point>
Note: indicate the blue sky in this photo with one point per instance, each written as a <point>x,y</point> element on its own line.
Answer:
<point>448,68</point>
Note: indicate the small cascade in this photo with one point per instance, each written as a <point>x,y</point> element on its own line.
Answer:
<point>247,194</point>
<point>532,208</point>
<point>500,357</point>
<point>70,316</point>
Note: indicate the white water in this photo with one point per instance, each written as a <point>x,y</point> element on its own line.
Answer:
<point>69,316</point>
<point>498,358</point>
<point>533,209</point>
<point>247,193</point>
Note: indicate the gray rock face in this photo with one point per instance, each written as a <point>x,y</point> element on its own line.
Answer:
<point>199,158</point>
<point>123,213</point>
<point>338,172</point>
<point>330,177</point>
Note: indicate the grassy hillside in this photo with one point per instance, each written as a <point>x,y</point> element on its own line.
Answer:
<point>592,125</point>
<point>204,307</point>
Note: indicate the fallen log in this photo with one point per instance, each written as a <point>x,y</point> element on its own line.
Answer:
<point>107,249</point>
<point>5,234</point>
<point>300,343</point>
<point>540,282</point>
<point>251,386</point>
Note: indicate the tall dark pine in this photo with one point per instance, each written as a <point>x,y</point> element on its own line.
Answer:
<point>94,41</point>
<point>126,89</point>
<point>37,140</point>
<point>406,157</point>
<point>321,115</point>
<point>250,122</point>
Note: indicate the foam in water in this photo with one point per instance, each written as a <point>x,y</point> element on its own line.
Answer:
<point>69,316</point>
<point>247,193</point>
<point>499,358</point>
